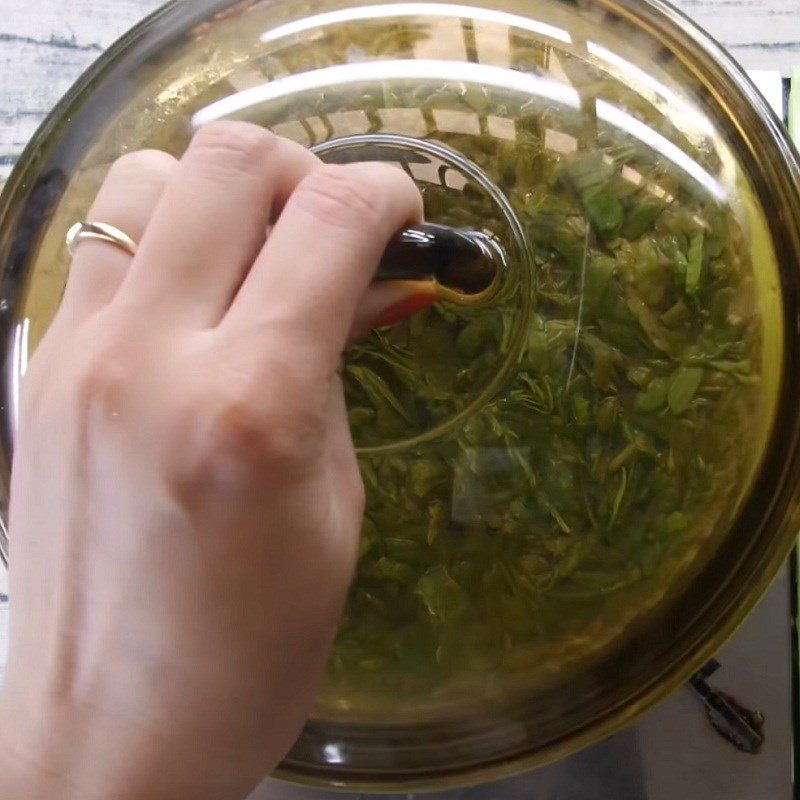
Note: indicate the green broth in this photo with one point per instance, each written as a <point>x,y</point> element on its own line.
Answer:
<point>591,485</point>
<point>528,539</point>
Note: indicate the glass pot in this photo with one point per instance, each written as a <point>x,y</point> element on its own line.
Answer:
<point>577,489</point>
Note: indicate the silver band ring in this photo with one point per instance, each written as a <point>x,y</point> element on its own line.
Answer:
<point>99,231</point>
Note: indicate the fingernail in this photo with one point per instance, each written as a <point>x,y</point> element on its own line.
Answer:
<point>406,307</point>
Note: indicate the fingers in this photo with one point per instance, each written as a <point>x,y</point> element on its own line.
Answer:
<point>390,302</point>
<point>308,280</point>
<point>126,200</point>
<point>212,220</point>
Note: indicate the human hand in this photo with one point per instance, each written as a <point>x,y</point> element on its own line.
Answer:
<point>186,502</point>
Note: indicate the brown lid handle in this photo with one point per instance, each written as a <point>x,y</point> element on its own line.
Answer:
<point>465,262</point>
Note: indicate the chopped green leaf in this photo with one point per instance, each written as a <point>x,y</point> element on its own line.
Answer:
<point>694,262</point>
<point>654,396</point>
<point>640,219</point>
<point>442,596</point>
<point>592,179</point>
<point>683,387</point>
<point>377,389</point>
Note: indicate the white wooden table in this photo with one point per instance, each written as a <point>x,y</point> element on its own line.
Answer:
<point>46,44</point>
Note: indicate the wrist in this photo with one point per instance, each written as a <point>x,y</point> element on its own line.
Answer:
<point>120,744</point>
<point>72,755</point>
<point>22,774</point>
<point>37,760</point>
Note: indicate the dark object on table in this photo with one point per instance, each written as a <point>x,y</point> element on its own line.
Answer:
<point>743,728</point>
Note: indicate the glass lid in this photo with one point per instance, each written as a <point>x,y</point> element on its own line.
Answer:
<point>575,488</point>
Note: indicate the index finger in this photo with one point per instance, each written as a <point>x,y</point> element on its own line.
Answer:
<point>321,256</point>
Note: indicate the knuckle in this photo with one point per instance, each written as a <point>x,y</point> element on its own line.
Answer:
<point>241,146</point>
<point>241,436</point>
<point>102,382</point>
<point>339,198</point>
<point>143,163</point>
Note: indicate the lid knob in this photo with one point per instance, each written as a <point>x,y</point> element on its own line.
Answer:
<point>464,265</point>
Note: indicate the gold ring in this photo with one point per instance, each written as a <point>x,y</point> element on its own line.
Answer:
<point>99,231</point>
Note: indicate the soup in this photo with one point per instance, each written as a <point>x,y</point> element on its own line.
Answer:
<point>545,469</point>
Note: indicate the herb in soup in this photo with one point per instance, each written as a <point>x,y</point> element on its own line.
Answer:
<point>619,438</point>
<point>529,536</point>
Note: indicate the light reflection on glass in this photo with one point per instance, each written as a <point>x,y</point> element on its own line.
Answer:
<point>636,128</point>
<point>416,10</point>
<point>401,69</point>
<point>678,103</point>
<point>333,754</point>
<point>18,366</point>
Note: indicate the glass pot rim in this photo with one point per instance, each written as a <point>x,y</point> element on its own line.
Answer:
<point>767,526</point>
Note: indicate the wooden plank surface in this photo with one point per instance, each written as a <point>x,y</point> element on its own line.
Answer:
<point>46,44</point>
